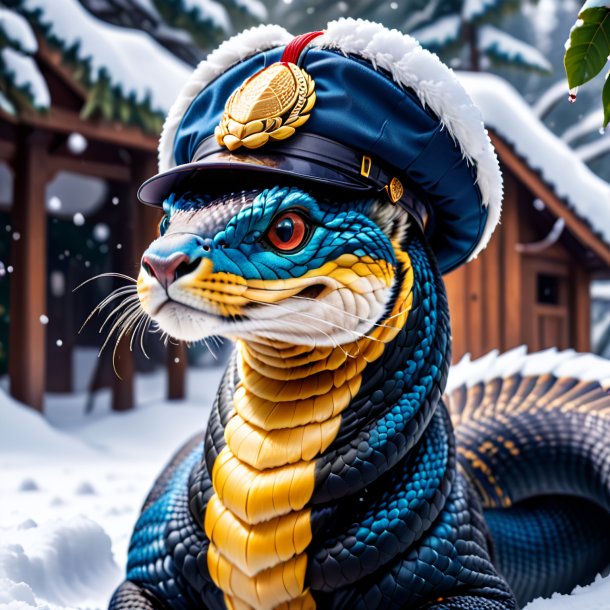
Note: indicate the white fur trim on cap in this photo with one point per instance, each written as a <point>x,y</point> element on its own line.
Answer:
<point>230,52</point>
<point>435,84</point>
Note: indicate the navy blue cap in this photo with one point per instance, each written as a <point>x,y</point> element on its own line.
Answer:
<point>361,108</point>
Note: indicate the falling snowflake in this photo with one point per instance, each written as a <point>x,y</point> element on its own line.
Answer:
<point>44,319</point>
<point>77,143</point>
<point>54,204</point>
<point>78,219</point>
<point>101,231</point>
<point>59,342</point>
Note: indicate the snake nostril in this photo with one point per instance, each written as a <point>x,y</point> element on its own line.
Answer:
<point>185,268</point>
<point>149,270</point>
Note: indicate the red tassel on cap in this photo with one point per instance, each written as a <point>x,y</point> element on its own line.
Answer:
<point>295,47</point>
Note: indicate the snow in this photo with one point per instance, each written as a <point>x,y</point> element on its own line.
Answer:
<point>504,47</point>
<point>73,490</point>
<point>594,597</point>
<point>209,11</point>
<point>555,93</point>
<point>473,9</point>
<point>253,7</point>
<point>507,113</point>
<point>593,150</point>
<point>601,290</point>
<point>599,329</point>
<point>24,74</point>
<point>595,4</point>
<point>64,562</point>
<point>77,143</point>
<point>561,363</point>
<point>18,31</point>
<point>72,484</point>
<point>6,105</point>
<point>117,52</point>
<point>591,123</point>
<point>440,33</point>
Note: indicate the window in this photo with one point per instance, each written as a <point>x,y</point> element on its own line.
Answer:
<point>548,289</point>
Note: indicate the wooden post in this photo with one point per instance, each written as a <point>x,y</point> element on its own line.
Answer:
<point>511,267</point>
<point>176,371</point>
<point>455,284</point>
<point>581,309</point>
<point>29,278</point>
<point>148,221</point>
<point>138,225</point>
<point>124,262</point>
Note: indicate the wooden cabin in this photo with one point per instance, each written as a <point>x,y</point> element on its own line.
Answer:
<point>34,149</point>
<point>531,285</point>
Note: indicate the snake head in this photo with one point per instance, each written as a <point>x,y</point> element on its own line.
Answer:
<point>280,264</point>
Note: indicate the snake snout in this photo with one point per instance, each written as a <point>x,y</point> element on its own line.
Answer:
<point>174,256</point>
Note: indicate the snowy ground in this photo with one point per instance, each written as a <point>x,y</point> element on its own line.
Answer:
<point>71,489</point>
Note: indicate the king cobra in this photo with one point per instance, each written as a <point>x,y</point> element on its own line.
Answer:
<point>330,474</point>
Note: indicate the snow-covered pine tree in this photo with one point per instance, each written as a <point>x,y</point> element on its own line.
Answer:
<point>21,84</point>
<point>187,28</point>
<point>463,32</point>
<point>103,44</point>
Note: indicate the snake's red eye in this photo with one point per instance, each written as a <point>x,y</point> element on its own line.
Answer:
<point>288,232</point>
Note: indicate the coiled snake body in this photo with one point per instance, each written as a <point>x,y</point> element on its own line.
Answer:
<point>329,475</point>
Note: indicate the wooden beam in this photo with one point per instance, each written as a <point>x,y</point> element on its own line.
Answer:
<point>118,173</point>
<point>29,279</point>
<point>541,190</point>
<point>60,120</point>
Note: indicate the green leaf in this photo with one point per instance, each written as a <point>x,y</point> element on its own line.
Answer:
<point>589,46</point>
<point>606,100</point>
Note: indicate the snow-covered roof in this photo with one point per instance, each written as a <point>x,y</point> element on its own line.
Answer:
<point>509,115</point>
<point>134,63</point>
<point>600,290</point>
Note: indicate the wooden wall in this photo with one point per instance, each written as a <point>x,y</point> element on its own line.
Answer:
<point>494,300</point>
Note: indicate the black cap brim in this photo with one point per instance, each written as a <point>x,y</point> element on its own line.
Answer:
<point>221,170</point>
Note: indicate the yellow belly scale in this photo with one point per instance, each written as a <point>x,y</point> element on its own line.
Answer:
<point>286,412</point>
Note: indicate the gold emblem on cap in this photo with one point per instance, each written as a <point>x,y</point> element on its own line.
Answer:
<point>395,190</point>
<point>270,104</point>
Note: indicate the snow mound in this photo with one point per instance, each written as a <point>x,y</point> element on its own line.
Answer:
<point>145,432</point>
<point>25,432</point>
<point>66,563</point>
<point>594,597</point>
